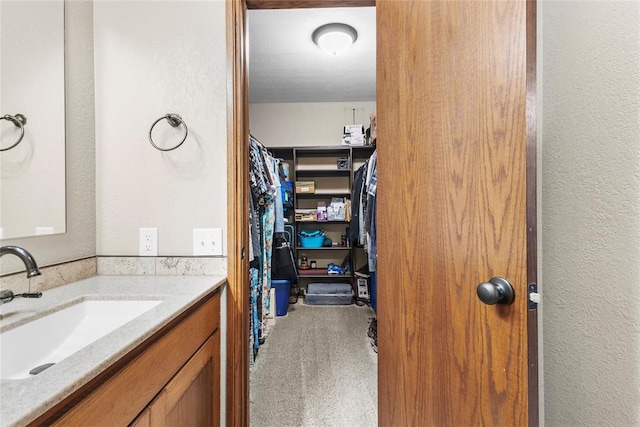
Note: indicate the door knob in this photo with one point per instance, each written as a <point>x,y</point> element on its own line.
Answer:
<point>497,291</point>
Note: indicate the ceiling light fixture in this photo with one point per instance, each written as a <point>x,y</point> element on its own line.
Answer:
<point>334,38</point>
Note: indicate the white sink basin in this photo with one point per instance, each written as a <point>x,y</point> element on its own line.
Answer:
<point>52,338</point>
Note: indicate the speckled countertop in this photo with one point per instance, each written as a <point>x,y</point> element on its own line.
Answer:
<point>22,401</point>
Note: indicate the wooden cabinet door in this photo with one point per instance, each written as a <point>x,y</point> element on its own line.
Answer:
<point>191,398</point>
<point>454,125</point>
<point>143,420</point>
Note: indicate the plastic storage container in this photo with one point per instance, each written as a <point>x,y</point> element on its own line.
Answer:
<point>283,288</point>
<point>329,294</point>
<point>311,239</point>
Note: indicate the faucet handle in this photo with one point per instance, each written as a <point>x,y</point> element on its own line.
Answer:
<point>29,295</point>
<point>8,296</point>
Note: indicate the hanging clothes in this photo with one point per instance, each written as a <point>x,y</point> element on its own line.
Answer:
<point>362,228</point>
<point>356,205</point>
<point>279,207</point>
<point>370,214</point>
<point>266,218</point>
<point>253,317</point>
<point>254,234</point>
<point>268,221</point>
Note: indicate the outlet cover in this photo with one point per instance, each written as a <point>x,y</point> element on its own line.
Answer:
<point>207,241</point>
<point>148,242</point>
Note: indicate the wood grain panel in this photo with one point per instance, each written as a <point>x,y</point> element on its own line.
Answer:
<point>304,4</point>
<point>532,203</point>
<point>191,373</point>
<point>237,218</point>
<point>124,395</point>
<point>194,407</point>
<point>217,386</point>
<point>190,395</point>
<point>157,410</point>
<point>452,211</point>
<point>144,420</point>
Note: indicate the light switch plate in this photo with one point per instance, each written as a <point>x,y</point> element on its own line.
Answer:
<point>207,241</point>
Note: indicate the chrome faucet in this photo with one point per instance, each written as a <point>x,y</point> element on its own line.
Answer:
<point>32,270</point>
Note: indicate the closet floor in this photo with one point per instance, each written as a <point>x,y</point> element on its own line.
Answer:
<point>316,368</point>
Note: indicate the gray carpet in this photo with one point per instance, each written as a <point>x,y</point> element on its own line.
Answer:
<point>316,368</point>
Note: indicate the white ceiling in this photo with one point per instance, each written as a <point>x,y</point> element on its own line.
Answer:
<point>286,66</point>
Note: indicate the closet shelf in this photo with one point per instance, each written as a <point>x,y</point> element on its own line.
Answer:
<point>319,164</point>
<point>322,172</point>
<point>321,222</point>
<point>326,195</point>
<point>324,276</point>
<point>322,151</point>
<point>332,248</point>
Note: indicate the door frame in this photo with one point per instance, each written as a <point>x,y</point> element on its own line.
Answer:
<point>531,206</point>
<point>237,383</point>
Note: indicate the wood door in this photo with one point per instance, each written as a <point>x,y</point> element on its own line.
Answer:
<point>452,211</point>
<point>143,420</point>
<point>191,398</point>
<point>237,390</point>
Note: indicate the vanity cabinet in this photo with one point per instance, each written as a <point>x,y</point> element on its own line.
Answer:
<point>170,379</point>
<point>187,399</point>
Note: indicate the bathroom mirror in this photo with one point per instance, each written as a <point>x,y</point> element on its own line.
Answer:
<point>32,184</point>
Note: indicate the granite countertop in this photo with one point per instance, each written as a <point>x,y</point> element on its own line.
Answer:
<point>23,400</point>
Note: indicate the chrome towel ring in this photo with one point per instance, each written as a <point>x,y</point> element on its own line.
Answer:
<point>174,120</point>
<point>19,121</point>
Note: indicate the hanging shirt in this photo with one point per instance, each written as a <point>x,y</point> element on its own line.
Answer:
<point>356,205</point>
<point>279,225</point>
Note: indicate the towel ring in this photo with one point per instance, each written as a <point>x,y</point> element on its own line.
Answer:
<point>174,120</point>
<point>19,120</point>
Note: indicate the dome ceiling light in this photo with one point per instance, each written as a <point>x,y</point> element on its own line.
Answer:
<point>334,38</point>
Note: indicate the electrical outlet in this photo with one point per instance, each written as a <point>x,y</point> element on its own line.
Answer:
<point>207,241</point>
<point>148,242</point>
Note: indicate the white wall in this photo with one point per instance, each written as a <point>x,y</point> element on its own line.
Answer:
<point>153,58</point>
<point>305,123</point>
<point>591,212</point>
<point>80,239</point>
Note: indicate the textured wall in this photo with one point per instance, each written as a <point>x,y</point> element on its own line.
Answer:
<point>305,123</point>
<point>80,239</point>
<point>591,212</point>
<point>153,58</point>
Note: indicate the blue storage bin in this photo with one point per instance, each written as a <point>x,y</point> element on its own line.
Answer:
<point>283,288</point>
<point>311,242</point>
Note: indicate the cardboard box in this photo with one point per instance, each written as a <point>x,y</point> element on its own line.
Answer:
<point>353,140</point>
<point>308,187</point>
<point>353,135</point>
<point>306,215</point>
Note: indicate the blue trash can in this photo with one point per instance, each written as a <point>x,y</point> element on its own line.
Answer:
<point>283,288</point>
